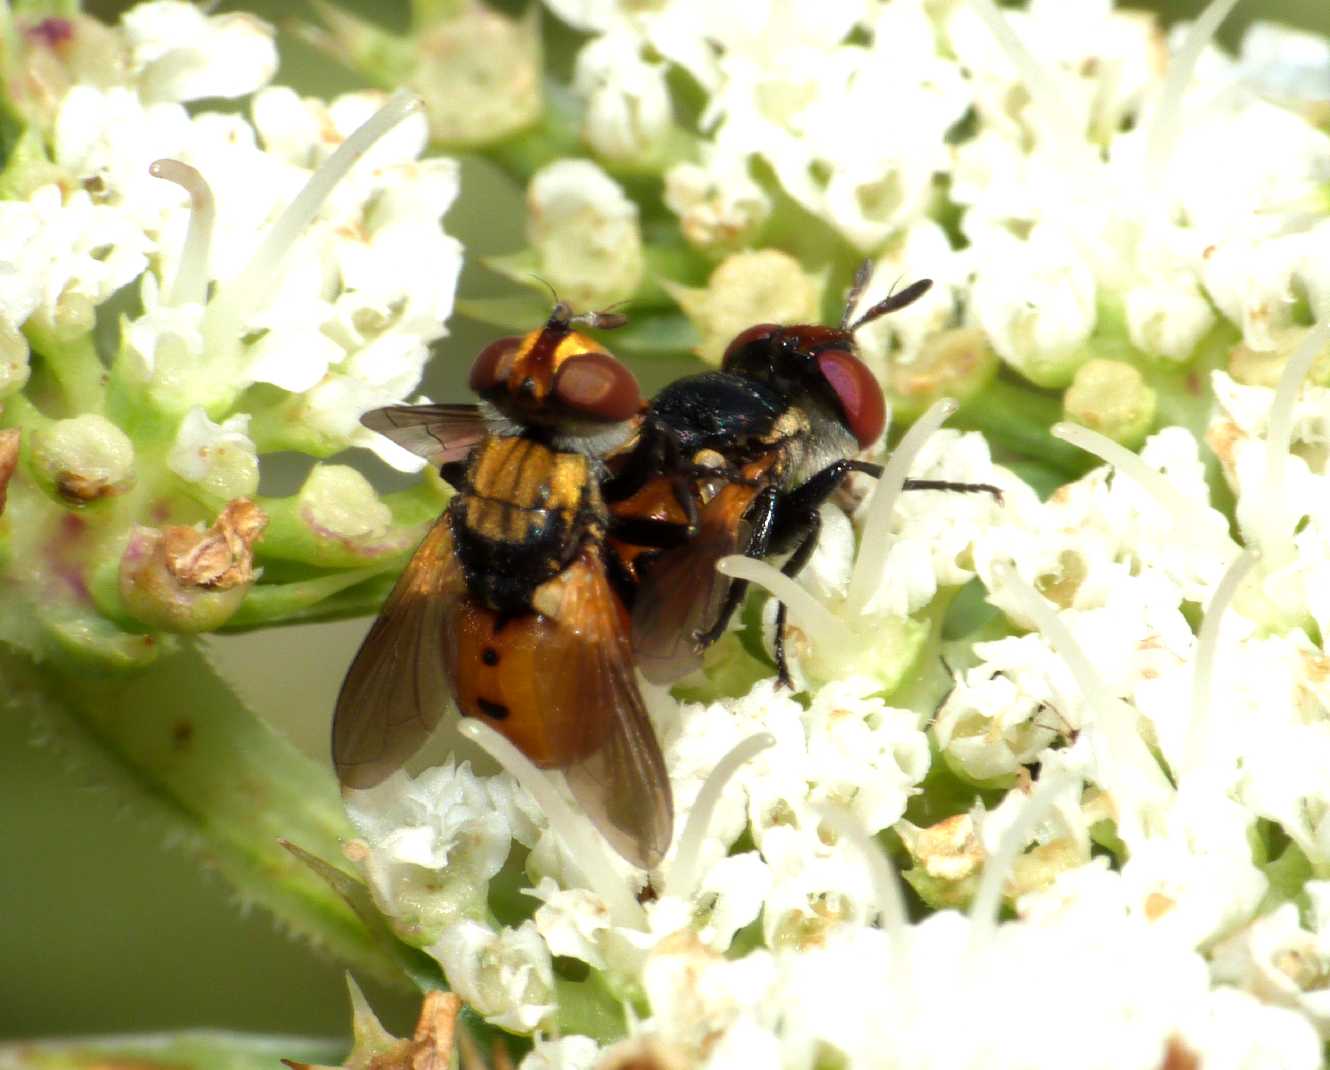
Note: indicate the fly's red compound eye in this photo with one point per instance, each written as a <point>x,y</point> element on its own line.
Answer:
<point>746,338</point>
<point>492,366</point>
<point>598,386</point>
<point>858,392</point>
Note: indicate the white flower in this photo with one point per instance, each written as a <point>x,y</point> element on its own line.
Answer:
<point>1035,300</point>
<point>628,102</point>
<point>571,920</point>
<point>717,202</point>
<point>179,53</point>
<point>863,754</point>
<point>218,457</point>
<point>506,976</point>
<point>566,1053</point>
<point>1283,961</point>
<point>585,233</point>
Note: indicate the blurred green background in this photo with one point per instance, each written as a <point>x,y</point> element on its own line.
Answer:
<point>104,927</point>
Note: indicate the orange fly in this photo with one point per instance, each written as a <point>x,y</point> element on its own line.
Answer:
<point>507,607</point>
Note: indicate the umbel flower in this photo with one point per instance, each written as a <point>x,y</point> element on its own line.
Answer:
<point>1088,725</point>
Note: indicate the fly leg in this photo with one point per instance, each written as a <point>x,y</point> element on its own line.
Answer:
<point>875,470</point>
<point>761,517</point>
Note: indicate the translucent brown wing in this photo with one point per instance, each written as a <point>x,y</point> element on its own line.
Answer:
<point>616,771</point>
<point>396,689</point>
<point>682,594</point>
<point>439,433</point>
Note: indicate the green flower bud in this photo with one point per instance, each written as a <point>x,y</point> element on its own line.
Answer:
<point>9,443</point>
<point>762,286</point>
<point>478,70</point>
<point>585,234</point>
<point>14,354</point>
<point>956,363</point>
<point>84,458</point>
<point>339,503</point>
<point>1112,398</point>
<point>948,858</point>
<point>1255,367</point>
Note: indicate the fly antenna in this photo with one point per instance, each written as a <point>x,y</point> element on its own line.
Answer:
<point>892,302</point>
<point>562,314</point>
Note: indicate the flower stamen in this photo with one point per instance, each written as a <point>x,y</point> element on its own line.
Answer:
<point>876,539</point>
<point>988,896</point>
<point>247,292</point>
<point>886,881</point>
<point>584,848</point>
<point>815,617</point>
<point>1188,517</point>
<point>1275,532</point>
<point>191,282</point>
<point>686,871</point>
<point>1207,646</point>
<point>1167,124</point>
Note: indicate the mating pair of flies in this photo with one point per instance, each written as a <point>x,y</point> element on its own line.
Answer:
<point>582,543</point>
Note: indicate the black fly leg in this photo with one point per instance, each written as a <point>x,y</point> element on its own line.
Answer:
<point>875,470</point>
<point>761,517</point>
<point>960,488</point>
<point>792,568</point>
<point>798,527</point>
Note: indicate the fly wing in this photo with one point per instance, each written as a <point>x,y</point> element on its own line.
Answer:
<point>617,773</point>
<point>682,594</point>
<point>397,689</point>
<point>439,433</point>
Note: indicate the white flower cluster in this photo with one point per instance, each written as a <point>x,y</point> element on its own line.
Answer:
<point>1095,182</point>
<point>1128,749</point>
<point>1119,734</point>
<point>259,262</point>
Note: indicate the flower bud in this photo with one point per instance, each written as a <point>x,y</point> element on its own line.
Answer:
<point>761,286</point>
<point>14,354</point>
<point>182,579</point>
<point>9,443</point>
<point>948,857</point>
<point>85,458</point>
<point>339,503</point>
<point>477,69</point>
<point>1264,367</point>
<point>585,234</point>
<point>54,53</point>
<point>1113,398</point>
<point>719,205</point>
<point>955,363</point>
<point>628,110</point>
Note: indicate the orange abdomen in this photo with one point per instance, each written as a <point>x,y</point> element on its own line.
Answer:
<point>504,675</point>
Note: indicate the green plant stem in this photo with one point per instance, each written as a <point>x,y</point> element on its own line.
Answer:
<point>197,1049</point>
<point>176,738</point>
<point>1016,419</point>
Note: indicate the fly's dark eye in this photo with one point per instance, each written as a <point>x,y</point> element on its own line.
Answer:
<point>744,339</point>
<point>492,366</point>
<point>598,386</point>
<point>858,392</point>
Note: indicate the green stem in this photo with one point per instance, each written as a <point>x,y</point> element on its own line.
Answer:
<point>1016,419</point>
<point>197,1049</point>
<point>75,366</point>
<point>177,738</point>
